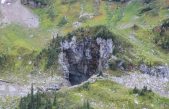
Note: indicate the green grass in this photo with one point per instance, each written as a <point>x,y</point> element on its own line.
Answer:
<point>104,94</point>
<point>143,46</point>
<point>109,94</point>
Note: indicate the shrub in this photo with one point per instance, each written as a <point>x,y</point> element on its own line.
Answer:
<point>53,51</point>
<point>35,101</point>
<point>161,35</point>
<point>68,1</point>
<point>144,10</point>
<point>36,2</point>
<point>86,86</point>
<point>63,21</point>
<point>86,105</point>
<point>43,2</point>
<point>142,92</point>
<point>135,90</point>
<point>113,65</point>
<point>51,12</point>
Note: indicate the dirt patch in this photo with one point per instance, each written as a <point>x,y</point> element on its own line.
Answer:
<point>41,82</point>
<point>14,12</point>
<point>7,89</point>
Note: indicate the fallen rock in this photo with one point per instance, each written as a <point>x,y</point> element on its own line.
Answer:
<point>85,16</point>
<point>53,87</point>
<point>77,24</point>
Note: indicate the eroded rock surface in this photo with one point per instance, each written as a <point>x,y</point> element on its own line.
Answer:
<point>158,85</point>
<point>80,59</point>
<point>158,71</point>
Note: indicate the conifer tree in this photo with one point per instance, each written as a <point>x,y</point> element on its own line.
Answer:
<point>32,97</point>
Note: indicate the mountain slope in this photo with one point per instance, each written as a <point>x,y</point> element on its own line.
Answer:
<point>141,32</point>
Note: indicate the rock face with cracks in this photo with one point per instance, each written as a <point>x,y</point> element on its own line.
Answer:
<point>80,59</point>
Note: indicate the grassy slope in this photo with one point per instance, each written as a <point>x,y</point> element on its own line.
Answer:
<point>104,94</point>
<point>143,46</point>
<point>16,37</point>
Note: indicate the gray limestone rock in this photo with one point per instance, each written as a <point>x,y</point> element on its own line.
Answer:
<point>80,59</point>
<point>159,71</point>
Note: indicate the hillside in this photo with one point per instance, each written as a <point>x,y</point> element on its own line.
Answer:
<point>57,44</point>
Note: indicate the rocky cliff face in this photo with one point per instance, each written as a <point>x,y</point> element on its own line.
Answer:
<point>80,59</point>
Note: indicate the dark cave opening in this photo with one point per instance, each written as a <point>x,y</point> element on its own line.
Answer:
<point>83,62</point>
<point>75,79</point>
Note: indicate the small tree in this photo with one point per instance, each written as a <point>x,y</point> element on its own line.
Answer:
<point>48,104</point>
<point>86,105</point>
<point>63,21</point>
<point>38,100</point>
<point>135,90</point>
<point>32,97</point>
<point>54,101</point>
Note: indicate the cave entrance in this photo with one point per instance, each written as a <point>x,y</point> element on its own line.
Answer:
<point>75,79</point>
<point>86,52</point>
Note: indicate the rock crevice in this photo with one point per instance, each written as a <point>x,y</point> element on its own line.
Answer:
<point>80,59</point>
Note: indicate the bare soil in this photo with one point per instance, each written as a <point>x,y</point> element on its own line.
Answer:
<point>15,12</point>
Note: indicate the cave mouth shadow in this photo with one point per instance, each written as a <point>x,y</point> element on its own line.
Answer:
<point>77,79</point>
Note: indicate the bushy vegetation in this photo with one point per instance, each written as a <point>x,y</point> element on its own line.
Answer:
<point>43,2</point>
<point>86,105</point>
<point>117,0</point>
<point>3,59</point>
<point>36,101</point>
<point>44,101</point>
<point>53,51</point>
<point>68,1</point>
<point>142,92</point>
<point>63,21</point>
<point>40,2</point>
<point>94,32</point>
<point>162,36</point>
<point>49,54</point>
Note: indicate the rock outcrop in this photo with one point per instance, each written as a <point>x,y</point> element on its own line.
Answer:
<point>135,79</point>
<point>80,59</point>
<point>35,3</point>
<point>159,71</point>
